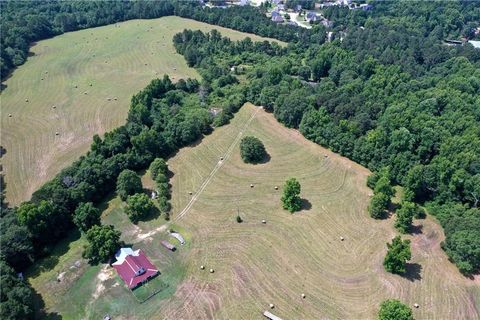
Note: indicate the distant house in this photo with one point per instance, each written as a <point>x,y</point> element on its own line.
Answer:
<point>134,267</point>
<point>312,17</point>
<point>277,18</point>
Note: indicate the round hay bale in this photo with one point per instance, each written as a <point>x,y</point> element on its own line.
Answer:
<point>251,185</point>
<point>9,115</point>
<point>75,86</point>
<point>85,92</point>
<point>26,100</point>
<point>54,107</point>
<point>325,156</point>
<point>221,158</point>
<point>115,98</point>
<point>57,133</point>
<point>212,271</point>
<point>416,305</point>
<point>202,267</point>
<point>146,64</point>
<point>303,295</point>
<point>264,221</point>
<point>108,99</point>
<point>271,306</point>
<point>276,188</point>
<point>90,85</point>
<point>41,79</point>
<point>342,238</point>
<point>46,72</point>
<point>190,193</point>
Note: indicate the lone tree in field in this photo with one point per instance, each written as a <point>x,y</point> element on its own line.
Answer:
<point>86,216</point>
<point>103,241</point>
<point>291,195</point>
<point>252,150</point>
<point>397,255</point>
<point>394,310</point>
<point>138,207</point>
<point>128,183</point>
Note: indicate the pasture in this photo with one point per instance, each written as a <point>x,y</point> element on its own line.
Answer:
<point>258,264</point>
<point>79,84</point>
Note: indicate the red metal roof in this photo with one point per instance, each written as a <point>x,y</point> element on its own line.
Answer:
<point>136,269</point>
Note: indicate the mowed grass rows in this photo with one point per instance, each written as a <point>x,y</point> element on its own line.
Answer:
<point>257,264</point>
<point>116,60</point>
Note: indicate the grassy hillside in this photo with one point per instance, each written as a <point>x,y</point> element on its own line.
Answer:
<point>81,71</point>
<point>257,264</point>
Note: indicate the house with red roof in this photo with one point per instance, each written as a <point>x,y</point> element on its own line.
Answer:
<point>134,267</point>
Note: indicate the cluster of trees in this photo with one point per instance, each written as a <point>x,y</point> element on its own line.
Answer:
<point>382,193</point>
<point>252,150</point>
<point>291,200</point>
<point>159,173</point>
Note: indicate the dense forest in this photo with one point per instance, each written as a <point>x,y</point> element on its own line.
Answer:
<point>385,92</point>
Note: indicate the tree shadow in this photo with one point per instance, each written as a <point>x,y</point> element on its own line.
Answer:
<point>54,253</point>
<point>3,86</point>
<point>306,205</point>
<point>416,229</point>
<point>413,271</point>
<point>2,151</point>
<point>152,215</point>
<point>265,159</point>
<point>39,308</point>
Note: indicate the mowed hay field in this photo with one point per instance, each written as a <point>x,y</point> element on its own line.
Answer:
<point>257,264</point>
<point>117,60</point>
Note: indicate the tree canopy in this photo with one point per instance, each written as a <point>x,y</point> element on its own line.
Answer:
<point>397,255</point>
<point>128,183</point>
<point>252,150</point>
<point>291,200</point>
<point>393,309</point>
<point>103,242</point>
<point>139,206</point>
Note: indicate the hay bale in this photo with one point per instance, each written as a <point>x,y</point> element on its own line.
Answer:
<point>115,98</point>
<point>41,79</point>
<point>90,84</point>
<point>202,267</point>
<point>9,115</point>
<point>54,107</point>
<point>276,187</point>
<point>75,86</point>
<point>416,305</point>
<point>303,295</point>
<point>271,306</point>
<point>85,92</point>
<point>342,238</point>
<point>26,100</point>
<point>190,193</point>
<point>212,271</point>
<point>108,99</point>
<point>146,64</point>
<point>57,133</point>
<point>46,72</point>
<point>221,158</point>
<point>264,221</point>
<point>251,185</point>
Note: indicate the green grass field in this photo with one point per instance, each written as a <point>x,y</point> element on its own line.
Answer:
<point>257,264</point>
<point>117,60</point>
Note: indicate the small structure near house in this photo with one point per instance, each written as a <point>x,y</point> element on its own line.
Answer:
<point>168,245</point>
<point>178,236</point>
<point>271,316</point>
<point>134,267</point>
